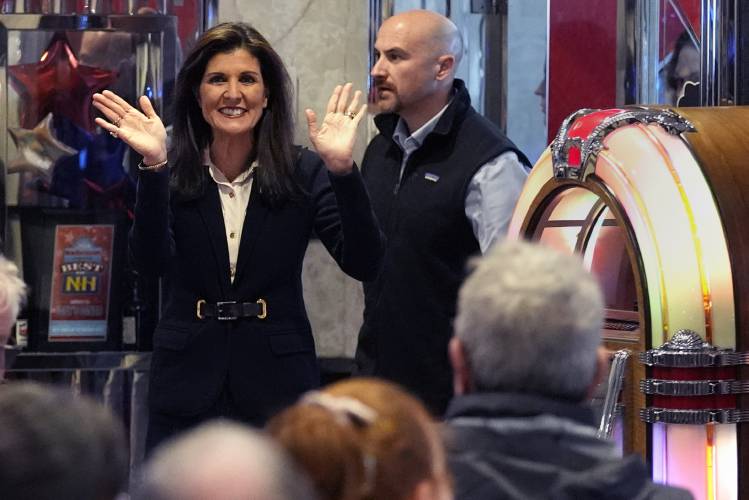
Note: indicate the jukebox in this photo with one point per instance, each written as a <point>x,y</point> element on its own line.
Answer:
<point>655,201</point>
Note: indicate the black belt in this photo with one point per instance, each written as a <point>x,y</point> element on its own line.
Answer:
<point>230,310</point>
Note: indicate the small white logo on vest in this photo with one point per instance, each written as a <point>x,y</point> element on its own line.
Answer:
<point>431,177</point>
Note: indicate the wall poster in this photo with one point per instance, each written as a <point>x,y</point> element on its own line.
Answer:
<point>81,277</point>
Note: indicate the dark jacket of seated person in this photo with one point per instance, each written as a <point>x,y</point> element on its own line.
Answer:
<point>519,446</point>
<point>526,355</point>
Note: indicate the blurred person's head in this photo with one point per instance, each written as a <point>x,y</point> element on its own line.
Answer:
<point>56,445</point>
<point>540,91</point>
<point>222,461</point>
<point>529,320</point>
<point>684,66</point>
<point>12,294</point>
<point>416,55</point>
<point>365,439</point>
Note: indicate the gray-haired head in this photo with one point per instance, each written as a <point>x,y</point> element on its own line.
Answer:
<point>529,320</point>
<point>12,294</point>
<point>222,461</point>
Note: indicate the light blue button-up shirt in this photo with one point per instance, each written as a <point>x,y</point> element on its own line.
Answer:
<point>492,192</point>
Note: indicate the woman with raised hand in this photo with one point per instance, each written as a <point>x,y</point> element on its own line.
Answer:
<point>225,218</point>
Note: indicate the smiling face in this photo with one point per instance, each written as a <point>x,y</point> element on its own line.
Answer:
<point>232,94</point>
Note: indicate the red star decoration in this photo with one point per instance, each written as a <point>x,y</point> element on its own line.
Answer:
<point>58,84</point>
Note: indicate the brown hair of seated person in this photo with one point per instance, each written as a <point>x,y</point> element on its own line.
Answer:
<point>365,439</point>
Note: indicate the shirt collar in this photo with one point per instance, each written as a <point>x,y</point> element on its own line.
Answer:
<point>219,177</point>
<point>416,139</point>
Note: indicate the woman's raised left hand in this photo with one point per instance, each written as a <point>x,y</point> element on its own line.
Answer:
<point>334,138</point>
<point>142,131</point>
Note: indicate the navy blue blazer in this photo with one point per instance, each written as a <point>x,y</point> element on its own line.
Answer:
<point>267,363</point>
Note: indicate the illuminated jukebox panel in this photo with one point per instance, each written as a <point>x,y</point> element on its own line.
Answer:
<point>657,203</point>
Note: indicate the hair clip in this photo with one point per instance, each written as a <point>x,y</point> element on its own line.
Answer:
<point>346,409</point>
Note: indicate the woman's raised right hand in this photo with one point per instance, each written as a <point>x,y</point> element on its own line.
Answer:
<point>142,131</point>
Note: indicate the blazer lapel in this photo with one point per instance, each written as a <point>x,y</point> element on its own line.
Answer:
<point>209,207</point>
<point>254,220</point>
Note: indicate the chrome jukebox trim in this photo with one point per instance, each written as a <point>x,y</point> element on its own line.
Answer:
<point>693,417</point>
<point>589,147</point>
<point>687,349</point>
<point>614,388</point>
<point>693,387</point>
<point>560,146</point>
<point>694,360</point>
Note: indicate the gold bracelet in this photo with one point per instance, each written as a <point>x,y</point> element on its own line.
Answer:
<point>158,166</point>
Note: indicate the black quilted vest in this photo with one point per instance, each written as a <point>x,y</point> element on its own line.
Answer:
<point>410,306</point>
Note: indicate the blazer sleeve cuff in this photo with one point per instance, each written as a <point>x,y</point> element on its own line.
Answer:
<point>349,188</point>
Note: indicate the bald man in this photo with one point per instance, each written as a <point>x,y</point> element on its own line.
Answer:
<point>443,182</point>
<point>222,460</point>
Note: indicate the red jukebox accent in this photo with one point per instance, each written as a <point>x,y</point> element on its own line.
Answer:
<point>714,378</point>
<point>689,376</point>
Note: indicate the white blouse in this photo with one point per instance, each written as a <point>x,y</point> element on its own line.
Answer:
<point>235,197</point>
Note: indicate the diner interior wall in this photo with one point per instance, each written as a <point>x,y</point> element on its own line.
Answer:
<point>323,43</point>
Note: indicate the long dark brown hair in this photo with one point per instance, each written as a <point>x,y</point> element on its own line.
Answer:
<point>273,135</point>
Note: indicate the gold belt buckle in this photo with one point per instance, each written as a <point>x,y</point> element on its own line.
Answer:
<point>198,305</point>
<point>263,309</point>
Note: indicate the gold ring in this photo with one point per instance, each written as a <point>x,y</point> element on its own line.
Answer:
<point>350,114</point>
<point>117,121</point>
